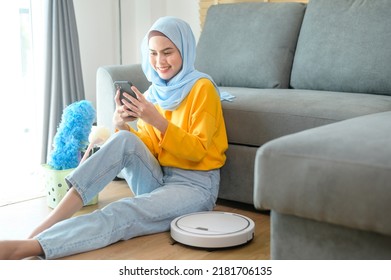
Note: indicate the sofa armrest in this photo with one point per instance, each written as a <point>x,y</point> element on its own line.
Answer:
<point>105,90</point>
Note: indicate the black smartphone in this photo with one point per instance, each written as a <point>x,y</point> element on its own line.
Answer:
<point>124,86</point>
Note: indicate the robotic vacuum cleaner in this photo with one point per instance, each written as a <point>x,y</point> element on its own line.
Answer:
<point>212,229</point>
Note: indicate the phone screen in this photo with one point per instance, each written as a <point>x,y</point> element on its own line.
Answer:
<point>124,86</point>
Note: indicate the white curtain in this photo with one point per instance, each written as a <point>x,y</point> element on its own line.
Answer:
<point>20,102</point>
<point>10,70</point>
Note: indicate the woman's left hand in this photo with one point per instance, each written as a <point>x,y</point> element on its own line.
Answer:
<point>141,108</point>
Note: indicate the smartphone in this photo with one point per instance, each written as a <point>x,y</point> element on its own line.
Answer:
<point>124,86</point>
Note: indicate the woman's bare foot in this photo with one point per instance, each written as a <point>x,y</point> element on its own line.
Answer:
<point>19,249</point>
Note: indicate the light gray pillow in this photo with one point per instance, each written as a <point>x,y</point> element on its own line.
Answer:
<point>250,44</point>
<point>344,45</point>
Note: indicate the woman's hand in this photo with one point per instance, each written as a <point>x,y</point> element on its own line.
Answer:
<point>141,108</point>
<point>121,114</point>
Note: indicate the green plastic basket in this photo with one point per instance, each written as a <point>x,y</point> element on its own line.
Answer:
<point>56,187</point>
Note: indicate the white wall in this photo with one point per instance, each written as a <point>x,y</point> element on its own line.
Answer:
<point>98,28</point>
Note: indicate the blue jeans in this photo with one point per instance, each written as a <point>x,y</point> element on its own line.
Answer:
<point>161,195</point>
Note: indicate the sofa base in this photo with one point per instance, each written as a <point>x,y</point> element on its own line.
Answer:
<point>303,239</point>
<point>236,182</point>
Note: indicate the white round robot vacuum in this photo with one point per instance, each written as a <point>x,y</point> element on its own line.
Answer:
<point>212,229</point>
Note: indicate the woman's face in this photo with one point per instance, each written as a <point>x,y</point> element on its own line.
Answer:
<point>164,57</point>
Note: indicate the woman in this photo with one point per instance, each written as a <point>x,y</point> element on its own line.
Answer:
<point>171,162</point>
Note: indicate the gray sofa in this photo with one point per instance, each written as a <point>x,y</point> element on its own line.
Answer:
<point>310,128</point>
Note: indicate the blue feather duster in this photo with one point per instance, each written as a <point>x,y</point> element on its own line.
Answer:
<point>72,135</point>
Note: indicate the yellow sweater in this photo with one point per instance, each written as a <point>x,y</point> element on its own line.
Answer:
<point>196,137</point>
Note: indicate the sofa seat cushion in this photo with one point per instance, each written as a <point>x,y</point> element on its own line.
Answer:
<point>257,116</point>
<point>344,45</point>
<point>250,44</point>
<point>338,174</point>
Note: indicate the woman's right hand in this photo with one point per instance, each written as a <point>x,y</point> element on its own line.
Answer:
<point>121,115</point>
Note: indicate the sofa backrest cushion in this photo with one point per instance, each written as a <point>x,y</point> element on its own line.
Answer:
<point>344,45</point>
<point>250,44</point>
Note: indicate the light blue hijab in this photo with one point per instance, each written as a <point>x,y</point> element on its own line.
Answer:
<point>169,94</point>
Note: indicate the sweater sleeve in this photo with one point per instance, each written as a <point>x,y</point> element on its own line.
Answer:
<point>144,133</point>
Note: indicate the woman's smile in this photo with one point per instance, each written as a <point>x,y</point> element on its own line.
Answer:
<point>163,69</point>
